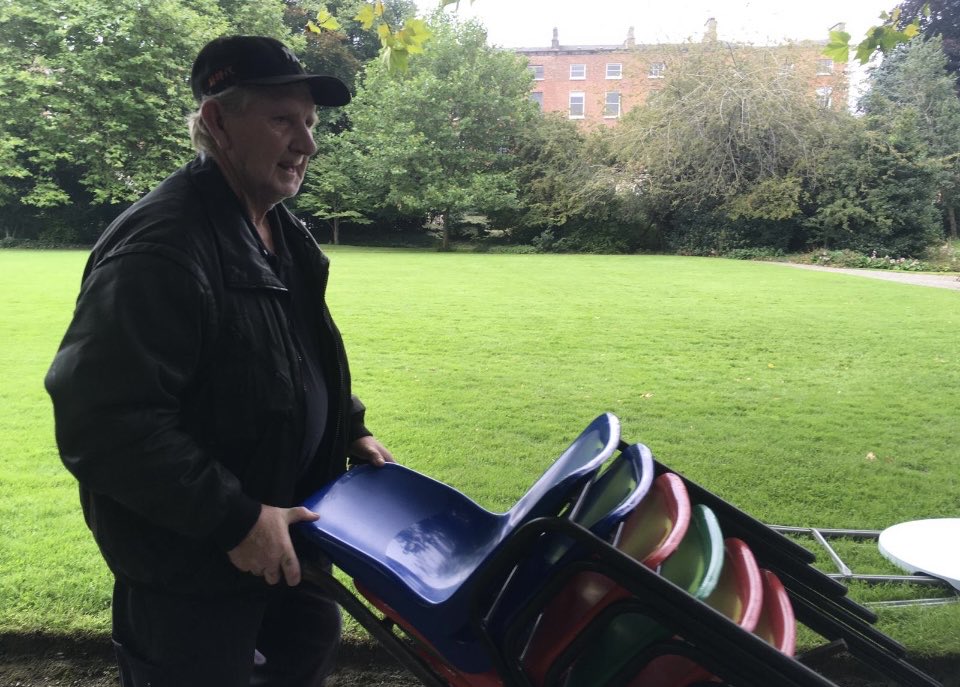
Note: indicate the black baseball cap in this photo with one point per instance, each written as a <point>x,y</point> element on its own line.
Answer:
<point>258,61</point>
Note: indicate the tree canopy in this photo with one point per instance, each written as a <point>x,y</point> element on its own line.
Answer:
<point>733,153</point>
<point>438,139</point>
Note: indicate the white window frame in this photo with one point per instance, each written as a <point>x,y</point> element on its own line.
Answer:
<point>657,70</point>
<point>825,97</point>
<point>537,97</point>
<point>618,70</point>
<point>582,97</point>
<point>607,105</point>
<point>538,72</point>
<point>582,76</point>
<point>824,66</point>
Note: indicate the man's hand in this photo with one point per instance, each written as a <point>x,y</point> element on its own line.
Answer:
<point>267,551</point>
<point>371,451</point>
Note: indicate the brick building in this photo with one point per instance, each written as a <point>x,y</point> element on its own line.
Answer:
<point>598,84</point>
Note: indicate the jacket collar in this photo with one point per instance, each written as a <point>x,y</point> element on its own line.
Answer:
<point>242,257</point>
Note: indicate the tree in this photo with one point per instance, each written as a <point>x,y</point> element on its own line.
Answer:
<point>94,99</point>
<point>732,133</point>
<point>876,192</point>
<point>914,83</point>
<point>439,137</point>
<point>936,18</point>
<point>572,193</point>
<point>337,188</point>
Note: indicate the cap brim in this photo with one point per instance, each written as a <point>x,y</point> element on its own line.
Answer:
<point>328,91</point>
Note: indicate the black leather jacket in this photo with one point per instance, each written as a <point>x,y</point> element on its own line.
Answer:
<point>177,391</point>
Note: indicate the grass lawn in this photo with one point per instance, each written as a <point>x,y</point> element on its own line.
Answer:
<point>805,398</point>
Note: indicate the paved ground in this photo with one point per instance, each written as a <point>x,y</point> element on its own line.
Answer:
<point>941,281</point>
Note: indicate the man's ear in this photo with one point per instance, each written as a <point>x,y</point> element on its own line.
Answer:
<point>211,112</point>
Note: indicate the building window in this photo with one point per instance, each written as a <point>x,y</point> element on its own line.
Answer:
<point>578,71</point>
<point>577,105</point>
<point>825,96</point>
<point>537,71</point>
<point>657,69</point>
<point>611,105</point>
<point>537,97</point>
<point>615,71</point>
<point>824,67</point>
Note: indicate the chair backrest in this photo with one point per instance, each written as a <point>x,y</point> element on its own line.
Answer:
<point>655,529</point>
<point>697,562</point>
<point>608,500</point>
<point>695,566</point>
<point>738,595</point>
<point>651,532</point>
<point>611,498</point>
<point>617,491</point>
<point>777,623</point>
<point>577,465</point>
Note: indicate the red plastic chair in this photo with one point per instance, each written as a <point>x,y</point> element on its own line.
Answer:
<point>777,623</point>
<point>650,534</point>
<point>738,595</point>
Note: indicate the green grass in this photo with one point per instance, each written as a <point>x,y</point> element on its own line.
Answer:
<point>805,398</point>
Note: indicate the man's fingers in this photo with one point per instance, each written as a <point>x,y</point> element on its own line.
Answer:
<point>271,576</point>
<point>291,570</point>
<point>387,456</point>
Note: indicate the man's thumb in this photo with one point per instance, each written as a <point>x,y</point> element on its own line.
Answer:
<point>301,514</point>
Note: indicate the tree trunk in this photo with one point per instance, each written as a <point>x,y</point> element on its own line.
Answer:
<point>336,231</point>
<point>445,246</point>
<point>952,220</point>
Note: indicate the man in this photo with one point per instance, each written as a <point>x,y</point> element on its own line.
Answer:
<point>202,390</point>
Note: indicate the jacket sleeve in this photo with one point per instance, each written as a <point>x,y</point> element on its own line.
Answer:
<point>135,344</point>
<point>357,413</point>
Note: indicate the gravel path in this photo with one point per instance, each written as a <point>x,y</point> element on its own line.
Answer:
<point>940,281</point>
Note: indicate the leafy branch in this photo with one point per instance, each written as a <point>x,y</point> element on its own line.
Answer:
<point>396,44</point>
<point>884,38</point>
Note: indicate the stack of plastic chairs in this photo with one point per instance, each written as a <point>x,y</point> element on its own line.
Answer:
<point>611,570</point>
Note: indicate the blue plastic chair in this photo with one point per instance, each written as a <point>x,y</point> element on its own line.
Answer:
<point>606,503</point>
<point>418,544</point>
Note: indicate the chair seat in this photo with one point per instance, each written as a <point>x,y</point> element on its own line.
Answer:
<point>418,544</point>
<point>431,539</point>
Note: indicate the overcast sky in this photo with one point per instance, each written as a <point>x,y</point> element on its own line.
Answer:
<point>530,23</point>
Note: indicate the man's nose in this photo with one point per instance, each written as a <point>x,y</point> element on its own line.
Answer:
<point>304,143</point>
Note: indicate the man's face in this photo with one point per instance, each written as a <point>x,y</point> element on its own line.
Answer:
<point>270,144</point>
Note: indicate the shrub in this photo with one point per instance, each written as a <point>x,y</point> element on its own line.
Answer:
<point>848,258</point>
<point>754,254</point>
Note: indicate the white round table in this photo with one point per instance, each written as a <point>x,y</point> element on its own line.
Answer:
<point>930,547</point>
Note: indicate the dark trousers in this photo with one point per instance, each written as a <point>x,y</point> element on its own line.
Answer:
<point>167,640</point>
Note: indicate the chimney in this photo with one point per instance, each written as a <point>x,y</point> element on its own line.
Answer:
<point>555,44</point>
<point>631,41</point>
<point>710,35</point>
